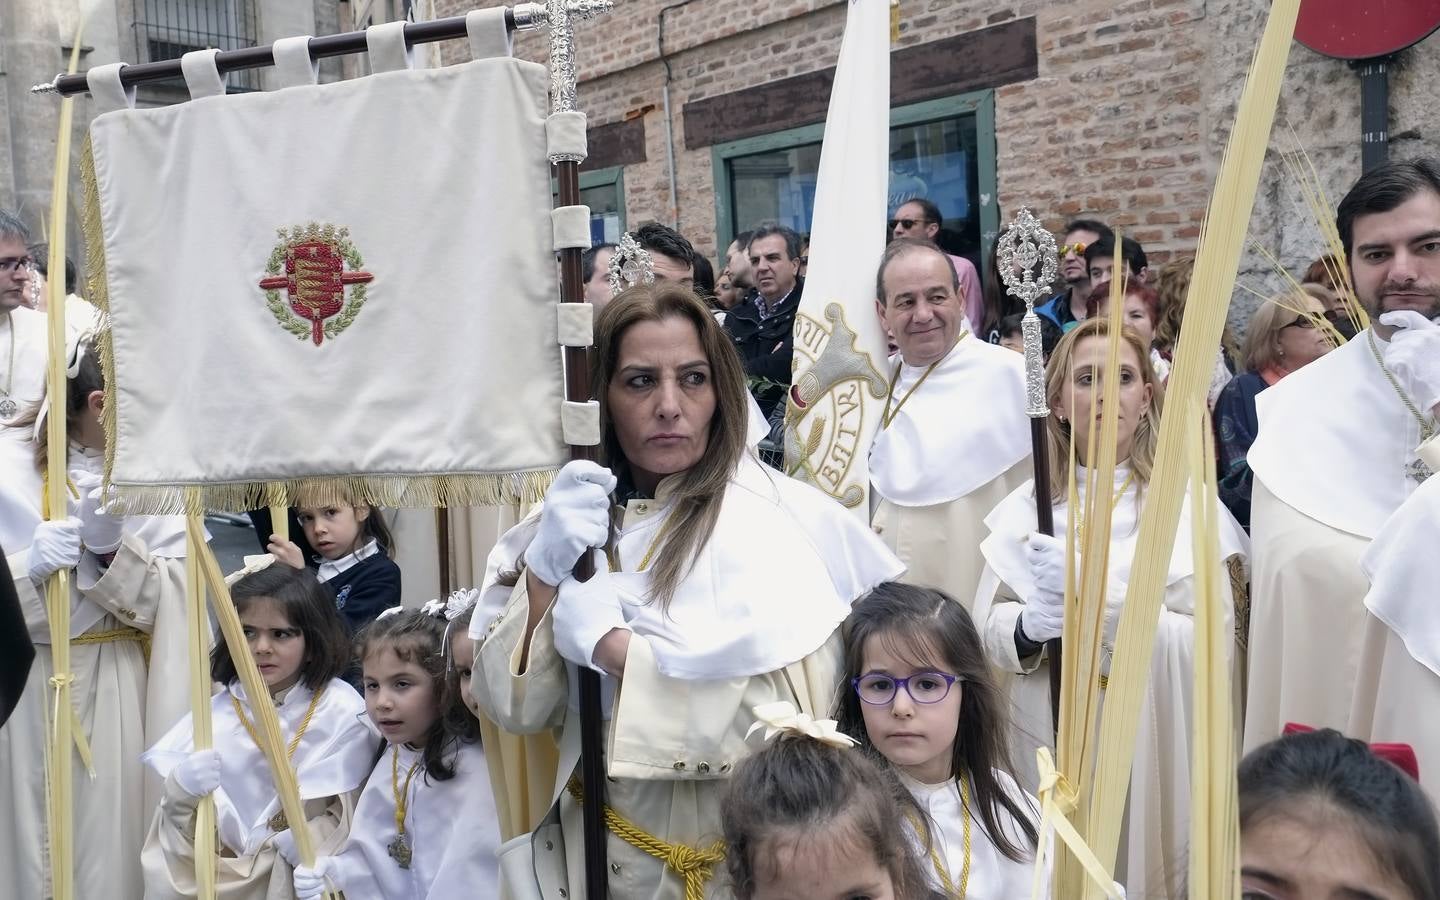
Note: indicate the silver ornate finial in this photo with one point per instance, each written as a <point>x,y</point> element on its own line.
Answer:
<point>561,16</point>
<point>49,87</point>
<point>1024,244</point>
<point>1028,261</point>
<point>630,265</point>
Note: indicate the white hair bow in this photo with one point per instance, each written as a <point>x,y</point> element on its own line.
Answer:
<point>392,611</point>
<point>252,564</point>
<point>782,716</point>
<point>460,602</point>
<point>435,608</point>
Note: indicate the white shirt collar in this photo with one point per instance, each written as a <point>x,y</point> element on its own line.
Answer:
<point>332,568</point>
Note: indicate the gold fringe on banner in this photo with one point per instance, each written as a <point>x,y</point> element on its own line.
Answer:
<point>393,491</point>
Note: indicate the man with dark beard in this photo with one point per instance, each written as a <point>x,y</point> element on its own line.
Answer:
<point>1342,446</point>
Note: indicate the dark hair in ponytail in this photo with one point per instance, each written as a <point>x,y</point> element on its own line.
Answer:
<point>419,638</point>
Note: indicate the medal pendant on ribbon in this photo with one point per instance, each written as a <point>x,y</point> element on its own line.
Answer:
<point>1419,471</point>
<point>278,822</point>
<point>400,851</point>
<point>8,408</point>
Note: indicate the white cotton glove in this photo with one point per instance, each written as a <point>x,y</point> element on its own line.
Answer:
<point>1413,356</point>
<point>198,774</point>
<point>310,880</point>
<point>576,517</point>
<point>585,612</point>
<point>284,842</point>
<point>55,545</point>
<point>99,531</point>
<point>1043,618</point>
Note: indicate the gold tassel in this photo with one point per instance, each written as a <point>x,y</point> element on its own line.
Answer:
<point>894,21</point>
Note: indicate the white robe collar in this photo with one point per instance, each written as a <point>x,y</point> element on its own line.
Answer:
<point>452,827</point>
<point>777,577</point>
<point>334,568</point>
<point>333,757</point>
<point>964,427</point>
<point>1335,439</point>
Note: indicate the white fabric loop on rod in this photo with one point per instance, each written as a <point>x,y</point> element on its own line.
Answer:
<point>571,225</point>
<point>202,75</point>
<point>105,87</point>
<point>488,35</point>
<point>576,324</point>
<point>293,63</point>
<point>565,134</point>
<point>580,423</point>
<point>386,45</point>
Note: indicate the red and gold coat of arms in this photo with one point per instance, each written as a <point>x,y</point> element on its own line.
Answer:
<point>314,265</point>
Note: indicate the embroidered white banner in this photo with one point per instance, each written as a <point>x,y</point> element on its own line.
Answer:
<point>838,390</point>
<point>349,283</point>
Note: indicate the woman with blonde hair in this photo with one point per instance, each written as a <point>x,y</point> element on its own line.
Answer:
<point>1020,604</point>
<point>1286,332</point>
<point>720,585</point>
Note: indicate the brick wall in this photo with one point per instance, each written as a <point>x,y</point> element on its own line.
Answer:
<point>1126,120</point>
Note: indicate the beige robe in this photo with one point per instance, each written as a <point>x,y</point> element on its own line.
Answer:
<point>671,742</point>
<point>940,544</point>
<point>168,857</point>
<point>1154,844</point>
<point>1308,624</point>
<point>110,813</point>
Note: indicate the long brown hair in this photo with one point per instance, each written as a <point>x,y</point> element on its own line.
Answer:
<point>697,496</point>
<point>930,628</point>
<point>798,788</point>
<point>1057,374</point>
<point>418,637</point>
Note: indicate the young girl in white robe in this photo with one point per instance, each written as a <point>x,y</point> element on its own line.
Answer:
<point>919,694</point>
<point>301,648</point>
<point>425,827</point>
<point>127,631</point>
<point>811,816</point>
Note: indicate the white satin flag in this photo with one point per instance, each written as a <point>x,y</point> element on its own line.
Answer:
<point>838,390</point>
<point>348,284</point>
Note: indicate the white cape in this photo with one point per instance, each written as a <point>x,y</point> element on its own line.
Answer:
<point>334,756</point>
<point>964,427</point>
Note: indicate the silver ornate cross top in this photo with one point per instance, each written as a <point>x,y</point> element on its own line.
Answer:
<point>1026,254</point>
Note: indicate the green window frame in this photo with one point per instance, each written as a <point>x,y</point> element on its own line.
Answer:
<point>614,176</point>
<point>980,104</point>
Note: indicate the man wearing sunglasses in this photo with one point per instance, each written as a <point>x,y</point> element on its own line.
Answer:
<point>22,330</point>
<point>1067,308</point>
<point>920,219</point>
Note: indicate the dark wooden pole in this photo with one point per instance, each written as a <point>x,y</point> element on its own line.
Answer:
<point>592,721</point>
<point>1045,524</point>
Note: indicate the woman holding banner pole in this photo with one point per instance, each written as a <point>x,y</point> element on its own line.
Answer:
<point>720,586</point>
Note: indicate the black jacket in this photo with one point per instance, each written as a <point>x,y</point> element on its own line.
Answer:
<point>766,347</point>
<point>365,590</point>
<point>16,650</point>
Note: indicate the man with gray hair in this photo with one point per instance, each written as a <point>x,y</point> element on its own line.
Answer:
<point>763,323</point>
<point>22,330</point>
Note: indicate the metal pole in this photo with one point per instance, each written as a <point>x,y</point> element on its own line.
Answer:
<point>1374,111</point>
<point>1028,262</point>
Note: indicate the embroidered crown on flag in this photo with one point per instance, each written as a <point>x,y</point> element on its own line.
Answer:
<point>346,286</point>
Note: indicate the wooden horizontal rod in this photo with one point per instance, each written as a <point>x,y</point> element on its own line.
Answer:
<point>321,47</point>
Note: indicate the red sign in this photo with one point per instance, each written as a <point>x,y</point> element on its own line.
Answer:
<point>1364,29</point>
